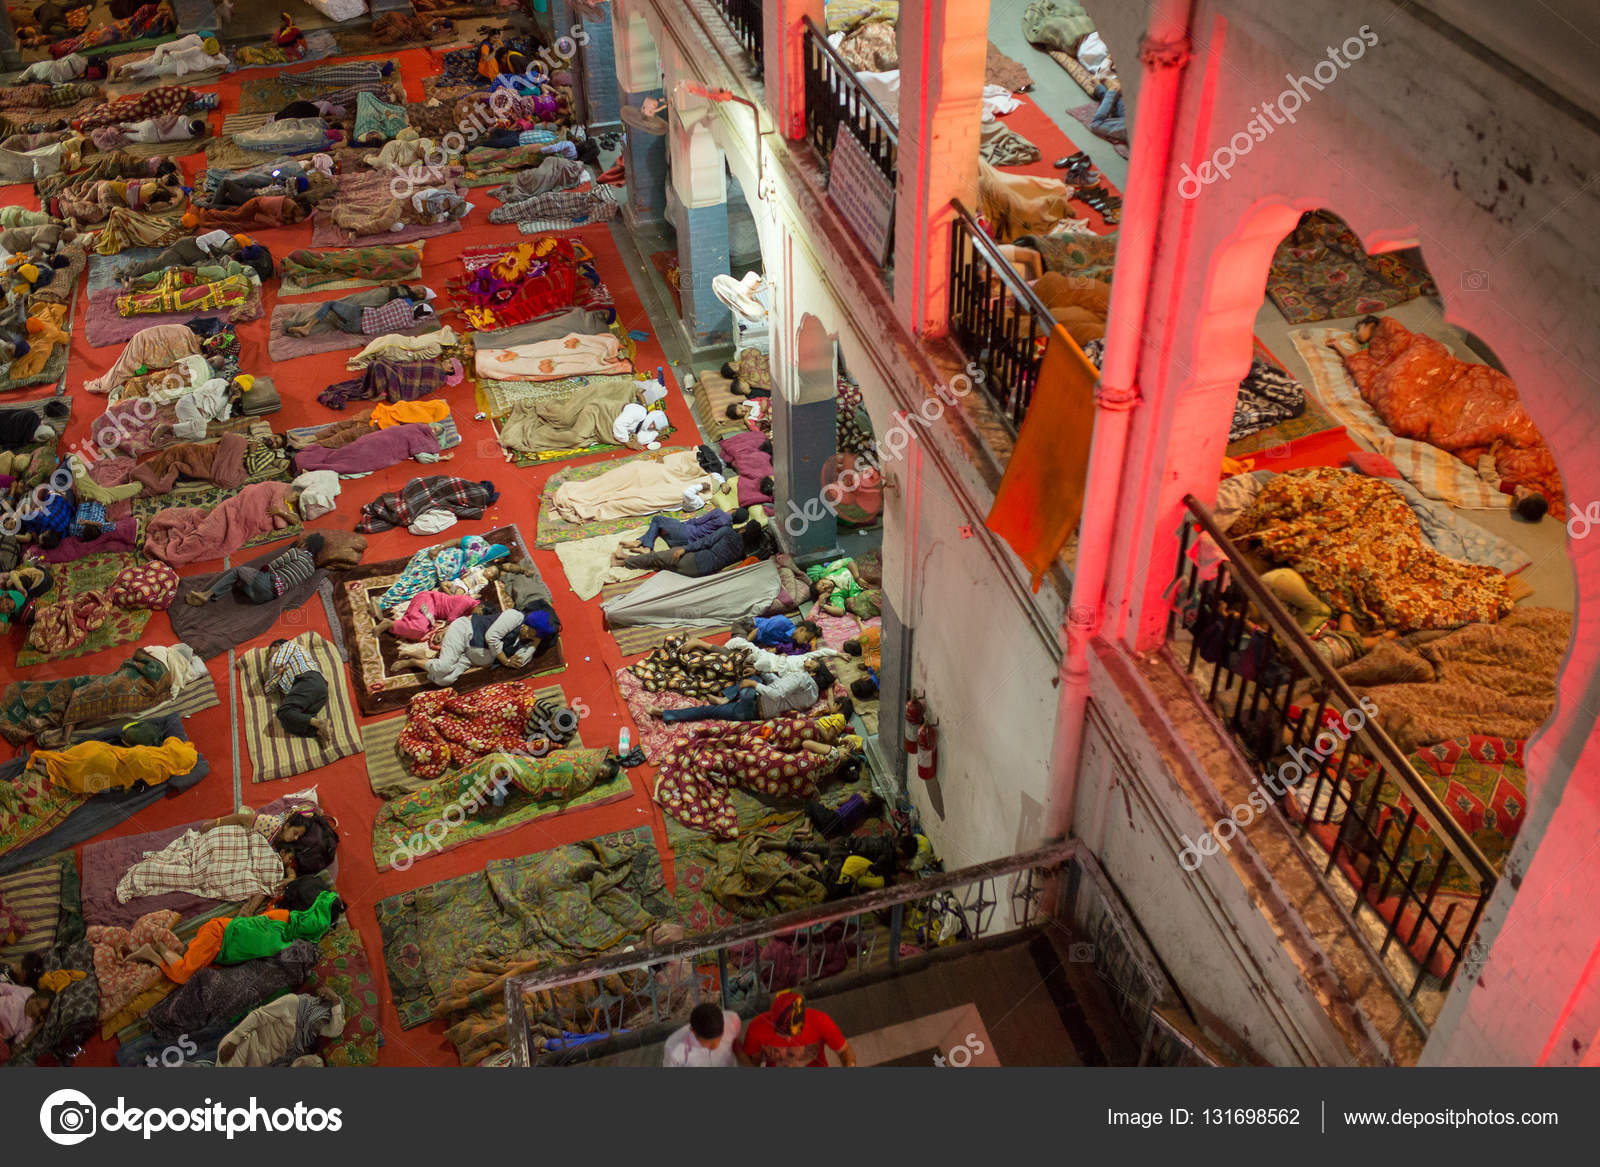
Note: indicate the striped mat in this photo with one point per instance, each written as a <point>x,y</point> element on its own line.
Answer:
<point>34,893</point>
<point>275,753</point>
<point>387,773</point>
<point>712,397</point>
<point>1436,473</point>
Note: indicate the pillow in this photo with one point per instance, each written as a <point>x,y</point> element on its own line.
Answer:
<point>147,585</point>
<point>341,550</point>
<point>1372,465</point>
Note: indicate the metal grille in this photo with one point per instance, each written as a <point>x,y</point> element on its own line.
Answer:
<point>996,318</point>
<point>744,17</point>
<point>1361,808</point>
<point>835,99</point>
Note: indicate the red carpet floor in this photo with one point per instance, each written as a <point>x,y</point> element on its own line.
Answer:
<point>591,653</point>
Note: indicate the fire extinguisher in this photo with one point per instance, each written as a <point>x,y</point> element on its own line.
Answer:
<point>915,716</point>
<point>928,750</point>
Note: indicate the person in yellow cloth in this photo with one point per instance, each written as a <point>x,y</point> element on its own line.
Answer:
<point>95,767</point>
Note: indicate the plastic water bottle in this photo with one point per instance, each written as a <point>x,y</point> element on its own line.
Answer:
<point>624,742</point>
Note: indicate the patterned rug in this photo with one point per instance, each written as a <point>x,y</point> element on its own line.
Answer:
<point>104,326</point>
<point>596,896</point>
<point>84,575</point>
<point>54,366</point>
<point>1321,272</point>
<point>276,753</point>
<point>1313,420</point>
<point>379,687</point>
<point>712,396</point>
<point>347,970</point>
<point>387,773</point>
<point>325,234</point>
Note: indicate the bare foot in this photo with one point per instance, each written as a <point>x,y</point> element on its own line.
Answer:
<point>383,626</point>
<point>445,457</point>
<point>197,598</point>
<point>320,727</point>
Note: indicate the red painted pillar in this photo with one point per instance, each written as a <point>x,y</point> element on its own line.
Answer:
<point>943,48</point>
<point>783,66</point>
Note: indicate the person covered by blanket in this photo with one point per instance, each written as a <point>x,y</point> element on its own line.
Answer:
<point>838,582</point>
<point>639,423</point>
<point>236,939</point>
<point>509,639</point>
<point>94,767</point>
<point>370,313</point>
<point>850,865</point>
<point>292,672</point>
<point>303,837</point>
<point>779,632</point>
<point>260,585</point>
<point>775,685</point>
<point>22,1007</point>
<point>789,1034</point>
<point>710,1039</point>
<point>462,568</point>
<point>722,546</point>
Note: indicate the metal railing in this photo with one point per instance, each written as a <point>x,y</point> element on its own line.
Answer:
<point>995,318</point>
<point>744,17</point>
<point>1392,838</point>
<point>835,99</point>
<point>578,1012</point>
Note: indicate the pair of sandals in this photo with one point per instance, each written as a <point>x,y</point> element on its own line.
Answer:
<point>1102,201</point>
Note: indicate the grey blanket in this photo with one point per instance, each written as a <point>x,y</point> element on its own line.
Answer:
<point>668,599</point>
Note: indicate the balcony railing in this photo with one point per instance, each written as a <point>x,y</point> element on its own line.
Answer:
<point>581,1012</point>
<point>996,318</point>
<point>835,99</point>
<point>1360,810</point>
<point>744,17</point>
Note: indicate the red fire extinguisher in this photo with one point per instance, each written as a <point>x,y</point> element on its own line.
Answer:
<point>915,716</point>
<point>928,750</point>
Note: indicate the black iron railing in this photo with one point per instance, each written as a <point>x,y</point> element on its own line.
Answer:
<point>744,17</point>
<point>835,99</point>
<point>996,318</point>
<point>1356,804</point>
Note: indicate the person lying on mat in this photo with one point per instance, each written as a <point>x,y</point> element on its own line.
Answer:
<point>508,639</point>
<point>638,423</point>
<point>370,313</point>
<point>258,585</point>
<point>682,532</point>
<point>47,523</point>
<point>705,555</point>
<point>292,672</point>
<point>424,610</point>
<point>778,632</point>
<point>304,838</point>
<point>236,939</point>
<point>94,767</point>
<point>763,696</point>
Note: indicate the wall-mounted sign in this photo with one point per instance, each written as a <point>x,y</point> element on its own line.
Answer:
<point>861,193</point>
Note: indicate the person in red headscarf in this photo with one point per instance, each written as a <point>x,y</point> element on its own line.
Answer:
<point>789,1034</point>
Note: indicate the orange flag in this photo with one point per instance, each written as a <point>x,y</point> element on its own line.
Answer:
<point>1040,498</point>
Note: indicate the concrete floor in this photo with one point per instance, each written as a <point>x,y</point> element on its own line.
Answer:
<point>1053,90</point>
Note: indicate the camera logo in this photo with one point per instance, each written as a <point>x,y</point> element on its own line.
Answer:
<point>67,1117</point>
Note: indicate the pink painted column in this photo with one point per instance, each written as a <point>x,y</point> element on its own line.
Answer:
<point>943,46</point>
<point>783,68</point>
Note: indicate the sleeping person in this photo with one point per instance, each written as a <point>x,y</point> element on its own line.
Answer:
<point>509,639</point>
<point>722,545</point>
